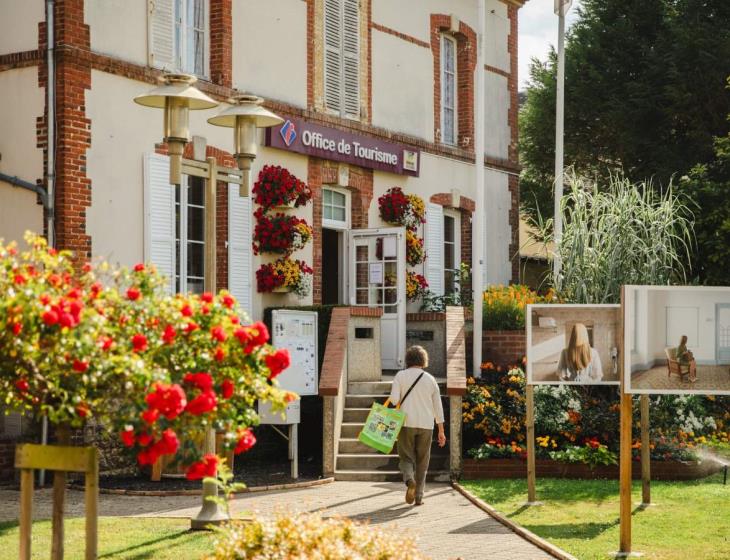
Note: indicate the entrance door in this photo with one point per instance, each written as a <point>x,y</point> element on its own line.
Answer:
<point>378,279</point>
<point>334,270</point>
<point>723,333</point>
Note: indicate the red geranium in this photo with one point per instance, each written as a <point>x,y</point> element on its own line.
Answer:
<point>277,362</point>
<point>246,440</point>
<point>202,381</point>
<point>201,469</point>
<point>227,388</point>
<point>218,333</point>
<point>204,402</point>
<point>276,186</point>
<point>169,400</point>
<point>133,294</point>
<point>139,342</point>
<point>168,336</point>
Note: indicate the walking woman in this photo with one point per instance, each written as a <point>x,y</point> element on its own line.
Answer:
<point>418,393</point>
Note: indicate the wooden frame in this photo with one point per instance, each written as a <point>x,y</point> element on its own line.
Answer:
<point>29,457</point>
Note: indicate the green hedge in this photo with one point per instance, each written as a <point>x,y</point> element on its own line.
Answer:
<point>324,314</point>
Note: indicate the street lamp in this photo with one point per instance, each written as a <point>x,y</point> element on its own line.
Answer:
<point>561,9</point>
<point>245,115</point>
<point>177,96</point>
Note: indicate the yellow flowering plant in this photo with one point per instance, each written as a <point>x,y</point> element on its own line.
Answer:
<point>504,306</point>
<point>292,275</point>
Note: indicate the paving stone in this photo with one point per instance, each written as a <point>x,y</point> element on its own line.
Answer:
<point>446,526</point>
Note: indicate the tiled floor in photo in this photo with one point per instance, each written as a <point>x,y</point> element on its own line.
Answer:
<point>711,378</point>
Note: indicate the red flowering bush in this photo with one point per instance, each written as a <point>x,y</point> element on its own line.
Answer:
<point>275,186</point>
<point>111,344</point>
<point>279,233</point>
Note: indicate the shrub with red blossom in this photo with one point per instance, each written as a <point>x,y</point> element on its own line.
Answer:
<point>110,344</point>
<point>276,186</point>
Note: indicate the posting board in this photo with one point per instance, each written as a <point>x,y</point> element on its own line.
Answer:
<point>297,332</point>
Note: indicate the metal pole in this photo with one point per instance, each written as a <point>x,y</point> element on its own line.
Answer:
<point>559,129</point>
<point>478,253</point>
<point>210,513</point>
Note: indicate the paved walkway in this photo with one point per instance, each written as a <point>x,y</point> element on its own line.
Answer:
<point>446,526</point>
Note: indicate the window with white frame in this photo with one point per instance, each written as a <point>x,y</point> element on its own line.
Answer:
<point>342,57</point>
<point>448,89</point>
<point>190,235</point>
<point>335,208</point>
<point>178,35</point>
<point>452,250</point>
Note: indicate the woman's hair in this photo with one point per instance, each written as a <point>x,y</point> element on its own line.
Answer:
<point>579,348</point>
<point>683,340</point>
<point>416,356</point>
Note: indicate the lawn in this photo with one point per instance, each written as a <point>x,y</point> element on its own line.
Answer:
<point>690,520</point>
<point>119,538</point>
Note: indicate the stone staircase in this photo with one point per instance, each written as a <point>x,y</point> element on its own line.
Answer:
<point>356,461</point>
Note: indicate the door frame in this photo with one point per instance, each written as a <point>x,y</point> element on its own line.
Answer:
<point>718,307</point>
<point>400,233</point>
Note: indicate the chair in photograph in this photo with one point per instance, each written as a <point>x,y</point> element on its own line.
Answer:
<point>674,366</point>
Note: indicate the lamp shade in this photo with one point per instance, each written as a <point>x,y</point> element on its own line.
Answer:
<point>248,106</point>
<point>179,86</point>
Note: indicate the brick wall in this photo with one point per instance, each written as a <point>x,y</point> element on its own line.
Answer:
<point>512,116</point>
<point>221,42</point>
<point>503,347</point>
<point>360,184</point>
<point>466,58</point>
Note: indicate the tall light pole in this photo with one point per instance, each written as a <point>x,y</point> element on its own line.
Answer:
<point>561,9</point>
<point>478,255</point>
<point>177,95</point>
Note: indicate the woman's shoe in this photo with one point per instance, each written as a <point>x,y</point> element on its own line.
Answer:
<point>411,492</point>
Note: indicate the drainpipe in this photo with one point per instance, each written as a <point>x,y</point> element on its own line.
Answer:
<point>479,253</point>
<point>18,182</point>
<point>50,205</point>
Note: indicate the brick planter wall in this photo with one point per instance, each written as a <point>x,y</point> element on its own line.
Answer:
<point>500,347</point>
<point>546,468</point>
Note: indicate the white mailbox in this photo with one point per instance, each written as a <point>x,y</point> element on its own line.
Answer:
<point>297,332</point>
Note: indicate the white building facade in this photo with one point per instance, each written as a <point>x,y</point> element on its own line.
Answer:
<point>394,80</point>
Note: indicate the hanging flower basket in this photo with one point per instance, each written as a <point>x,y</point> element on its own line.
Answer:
<point>415,253</point>
<point>416,285</point>
<point>284,274</point>
<point>277,187</point>
<point>279,233</point>
<point>400,209</point>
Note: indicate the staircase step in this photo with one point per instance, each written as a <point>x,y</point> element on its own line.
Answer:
<point>380,462</point>
<point>363,401</point>
<point>355,415</point>
<point>386,476</point>
<point>353,445</point>
<point>369,387</point>
<point>350,430</point>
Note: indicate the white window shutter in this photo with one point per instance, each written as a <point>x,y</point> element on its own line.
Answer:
<point>435,248</point>
<point>159,216</point>
<point>239,248</point>
<point>333,55</point>
<point>161,34</point>
<point>351,58</point>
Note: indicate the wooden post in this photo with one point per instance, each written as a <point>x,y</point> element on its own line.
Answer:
<point>625,475</point>
<point>91,499</point>
<point>26,512</point>
<point>63,435</point>
<point>530,421</point>
<point>645,453</point>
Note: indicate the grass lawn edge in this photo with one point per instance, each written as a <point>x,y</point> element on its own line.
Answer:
<point>539,542</point>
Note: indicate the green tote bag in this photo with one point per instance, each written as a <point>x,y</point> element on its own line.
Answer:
<point>383,425</point>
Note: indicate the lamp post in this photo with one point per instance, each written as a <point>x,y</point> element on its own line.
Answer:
<point>561,9</point>
<point>177,96</point>
<point>245,115</point>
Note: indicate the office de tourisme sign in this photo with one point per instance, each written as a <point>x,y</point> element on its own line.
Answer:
<point>303,137</point>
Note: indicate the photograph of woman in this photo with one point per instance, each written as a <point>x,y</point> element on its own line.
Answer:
<point>579,362</point>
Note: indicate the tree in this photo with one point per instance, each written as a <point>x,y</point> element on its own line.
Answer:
<point>709,186</point>
<point>644,94</point>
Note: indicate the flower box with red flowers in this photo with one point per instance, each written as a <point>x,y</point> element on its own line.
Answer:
<point>279,233</point>
<point>276,186</point>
